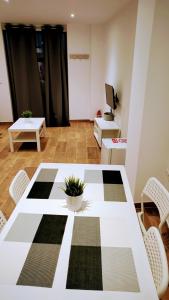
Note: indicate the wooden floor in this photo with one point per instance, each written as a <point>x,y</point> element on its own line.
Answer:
<point>74,144</point>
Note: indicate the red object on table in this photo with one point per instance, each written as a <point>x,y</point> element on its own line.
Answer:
<point>99,114</point>
<point>119,140</point>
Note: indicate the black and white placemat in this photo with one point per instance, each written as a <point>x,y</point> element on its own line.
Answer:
<point>34,242</point>
<point>107,182</point>
<point>95,266</point>
<point>101,185</point>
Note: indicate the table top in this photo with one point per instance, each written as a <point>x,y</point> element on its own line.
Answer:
<point>115,143</point>
<point>27,124</point>
<point>103,124</point>
<point>49,252</point>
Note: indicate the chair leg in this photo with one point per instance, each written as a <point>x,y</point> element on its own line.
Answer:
<point>142,208</point>
<point>140,214</point>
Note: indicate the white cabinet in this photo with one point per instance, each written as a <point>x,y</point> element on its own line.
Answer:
<point>105,129</point>
<point>113,151</point>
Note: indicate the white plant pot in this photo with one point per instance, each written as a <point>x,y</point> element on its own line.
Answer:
<point>74,203</point>
<point>27,120</point>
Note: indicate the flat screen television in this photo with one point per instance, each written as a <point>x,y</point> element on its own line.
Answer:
<point>110,97</point>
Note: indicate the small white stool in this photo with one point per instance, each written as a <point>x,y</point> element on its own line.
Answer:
<point>113,151</point>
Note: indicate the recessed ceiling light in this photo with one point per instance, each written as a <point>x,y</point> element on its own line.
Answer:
<point>6,0</point>
<point>72,15</point>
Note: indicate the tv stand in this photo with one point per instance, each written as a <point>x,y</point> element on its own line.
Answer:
<point>105,129</point>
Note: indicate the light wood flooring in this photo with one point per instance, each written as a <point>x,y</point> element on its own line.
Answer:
<point>74,144</point>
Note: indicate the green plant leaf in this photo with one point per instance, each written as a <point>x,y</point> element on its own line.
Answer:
<point>73,186</point>
<point>26,114</point>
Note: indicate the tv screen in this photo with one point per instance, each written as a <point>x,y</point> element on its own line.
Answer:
<point>110,96</point>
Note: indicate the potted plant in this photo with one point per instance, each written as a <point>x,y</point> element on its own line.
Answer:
<point>73,188</point>
<point>26,114</point>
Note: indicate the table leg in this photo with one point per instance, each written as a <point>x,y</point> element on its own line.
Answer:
<point>44,128</point>
<point>11,141</point>
<point>38,140</point>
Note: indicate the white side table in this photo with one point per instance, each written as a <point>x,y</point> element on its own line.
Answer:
<point>105,129</point>
<point>113,151</point>
<point>28,130</point>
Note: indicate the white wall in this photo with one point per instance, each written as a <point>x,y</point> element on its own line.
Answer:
<point>97,68</point>
<point>148,142</point>
<point>119,46</point>
<point>78,40</point>
<point>86,88</point>
<point>139,78</point>
<point>5,99</point>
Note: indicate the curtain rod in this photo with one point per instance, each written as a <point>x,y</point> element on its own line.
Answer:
<point>37,27</point>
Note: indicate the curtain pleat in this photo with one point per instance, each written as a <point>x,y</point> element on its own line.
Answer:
<point>20,42</point>
<point>56,76</point>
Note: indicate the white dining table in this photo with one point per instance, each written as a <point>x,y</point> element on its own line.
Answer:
<point>48,252</point>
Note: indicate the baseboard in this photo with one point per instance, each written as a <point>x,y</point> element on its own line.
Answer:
<point>80,120</point>
<point>146,205</point>
<point>6,123</point>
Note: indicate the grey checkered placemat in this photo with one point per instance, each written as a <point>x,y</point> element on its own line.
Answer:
<point>46,185</point>
<point>112,183</point>
<point>44,233</point>
<point>95,267</point>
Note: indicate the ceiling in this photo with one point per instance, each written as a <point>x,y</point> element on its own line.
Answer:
<point>58,11</point>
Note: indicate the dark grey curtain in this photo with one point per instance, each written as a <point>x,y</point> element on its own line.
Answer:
<point>23,69</point>
<point>56,77</point>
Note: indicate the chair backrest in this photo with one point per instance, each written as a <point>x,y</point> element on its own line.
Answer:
<point>18,185</point>
<point>157,259</point>
<point>2,220</point>
<point>160,196</point>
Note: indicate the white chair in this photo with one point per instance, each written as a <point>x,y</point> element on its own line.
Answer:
<point>157,259</point>
<point>18,185</point>
<point>2,220</point>
<point>142,227</point>
<point>156,192</point>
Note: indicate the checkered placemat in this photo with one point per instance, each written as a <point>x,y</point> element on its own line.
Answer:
<point>111,181</point>
<point>36,240</point>
<point>95,266</point>
<point>95,262</point>
<point>106,185</point>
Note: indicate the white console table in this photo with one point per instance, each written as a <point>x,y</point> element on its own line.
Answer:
<point>105,129</point>
<point>113,151</point>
